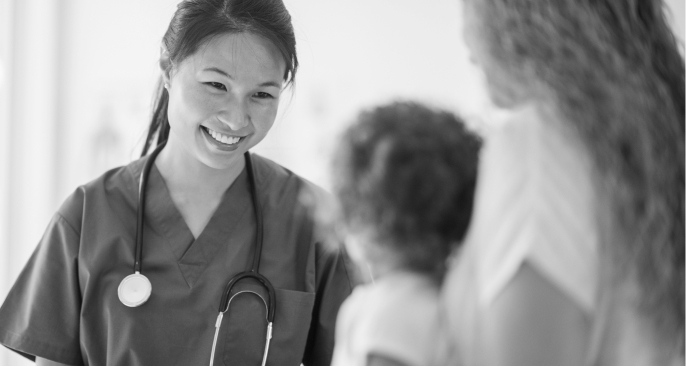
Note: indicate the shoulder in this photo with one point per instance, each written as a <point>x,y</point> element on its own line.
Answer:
<point>378,305</point>
<point>417,293</point>
<point>535,201</point>
<point>117,184</point>
<point>280,181</point>
<point>283,191</point>
<point>534,138</point>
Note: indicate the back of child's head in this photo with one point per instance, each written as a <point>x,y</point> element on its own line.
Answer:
<point>405,176</point>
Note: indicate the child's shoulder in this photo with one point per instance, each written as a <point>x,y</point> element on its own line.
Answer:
<point>406,298</point>
<point>396,317</point>
<point>416,292</point>
<point>382,294</point>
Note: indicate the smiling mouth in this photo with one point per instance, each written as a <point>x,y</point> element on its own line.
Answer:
<point>221,138</point>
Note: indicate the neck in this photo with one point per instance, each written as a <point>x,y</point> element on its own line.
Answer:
<point>184,174</point>
<point>382,262</point>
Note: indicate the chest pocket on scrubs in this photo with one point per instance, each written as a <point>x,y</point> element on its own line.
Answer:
<point>245,329</point>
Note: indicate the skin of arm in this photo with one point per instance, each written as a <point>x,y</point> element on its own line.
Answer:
<point>532,322</point>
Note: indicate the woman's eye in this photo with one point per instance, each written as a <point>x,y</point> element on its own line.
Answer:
<point>263,95</point>
<point>216,85</point>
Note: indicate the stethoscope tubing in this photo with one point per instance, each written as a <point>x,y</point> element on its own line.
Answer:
<point>252,273</point>
<point>258,213</point>
<point>224,304</point>
<point>218,324</point>
<point>141,206</point>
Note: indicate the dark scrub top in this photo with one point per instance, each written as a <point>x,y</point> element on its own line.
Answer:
<point>64,306</point>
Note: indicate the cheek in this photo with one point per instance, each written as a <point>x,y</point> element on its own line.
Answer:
<point>187,107</point>
<point>496,86</point>
<point>263,116</point>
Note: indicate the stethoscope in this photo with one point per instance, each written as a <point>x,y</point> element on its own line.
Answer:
<point>135,289</point>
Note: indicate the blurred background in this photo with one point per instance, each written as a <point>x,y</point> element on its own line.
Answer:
<point>77,80</point>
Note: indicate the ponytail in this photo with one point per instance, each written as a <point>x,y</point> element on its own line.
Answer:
<point>160,123</point>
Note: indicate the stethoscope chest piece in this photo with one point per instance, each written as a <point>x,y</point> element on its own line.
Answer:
<point>134,290</point>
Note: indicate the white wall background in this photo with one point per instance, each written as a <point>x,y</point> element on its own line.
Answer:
<point>77,79</point>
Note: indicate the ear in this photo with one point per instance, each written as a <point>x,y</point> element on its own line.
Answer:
<point>165,65</point>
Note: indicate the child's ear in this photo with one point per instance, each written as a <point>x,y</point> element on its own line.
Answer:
<point>165,65</point>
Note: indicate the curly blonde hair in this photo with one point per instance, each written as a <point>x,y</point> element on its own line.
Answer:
<point>614,72</point>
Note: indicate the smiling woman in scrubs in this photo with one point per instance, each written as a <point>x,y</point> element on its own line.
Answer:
<point>224,65</point>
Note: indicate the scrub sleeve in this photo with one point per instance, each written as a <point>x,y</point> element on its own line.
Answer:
<point>40,316</point>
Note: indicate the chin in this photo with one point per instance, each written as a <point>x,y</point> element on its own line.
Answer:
<point>221,163</point>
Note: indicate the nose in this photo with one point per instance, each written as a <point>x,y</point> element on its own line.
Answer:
<point>234,114</point>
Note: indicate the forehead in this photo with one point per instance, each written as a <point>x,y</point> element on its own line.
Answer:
<point>241,55</point>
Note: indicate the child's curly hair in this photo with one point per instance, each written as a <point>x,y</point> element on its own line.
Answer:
<point>406,173</point>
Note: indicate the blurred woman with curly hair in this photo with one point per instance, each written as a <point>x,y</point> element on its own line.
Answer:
<point>575,254</point>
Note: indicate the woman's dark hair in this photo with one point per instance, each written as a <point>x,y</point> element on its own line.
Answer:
<point>407,173</point>
<point>614,72</point>
<point>195,22</point>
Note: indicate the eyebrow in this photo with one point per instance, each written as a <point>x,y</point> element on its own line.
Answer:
<point>222,72</point>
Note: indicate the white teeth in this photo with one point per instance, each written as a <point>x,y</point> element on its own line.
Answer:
<point>223,138</point>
